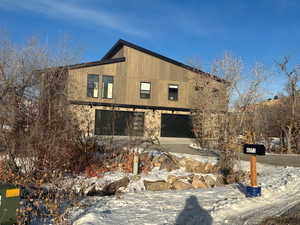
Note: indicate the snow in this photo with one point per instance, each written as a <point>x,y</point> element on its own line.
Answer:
<point>213,206</point>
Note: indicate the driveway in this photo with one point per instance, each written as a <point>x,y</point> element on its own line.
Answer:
<point>277,160</point>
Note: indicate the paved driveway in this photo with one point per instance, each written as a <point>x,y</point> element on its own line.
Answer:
<point>277,160</point>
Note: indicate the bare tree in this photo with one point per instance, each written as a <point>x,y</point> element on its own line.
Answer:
<point>290,104</point>
<point>35,117</point>
<point>211,115</point>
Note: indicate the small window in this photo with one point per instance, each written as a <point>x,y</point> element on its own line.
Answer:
<point>107,86</point>
<point>145,90</point>
<point>173,92</point>
<point>93,85</point>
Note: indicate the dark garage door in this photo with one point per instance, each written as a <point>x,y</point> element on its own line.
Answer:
<point>176,126</point>
<point>119,123</point>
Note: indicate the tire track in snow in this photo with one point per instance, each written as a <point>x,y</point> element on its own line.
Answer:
<point>263,207</point>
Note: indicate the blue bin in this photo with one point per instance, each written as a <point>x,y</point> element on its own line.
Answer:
<point>253,191</point>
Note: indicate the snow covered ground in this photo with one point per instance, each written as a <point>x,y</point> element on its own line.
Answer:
<point>213,206</point>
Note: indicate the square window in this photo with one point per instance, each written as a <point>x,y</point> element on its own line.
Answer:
<point>145,90</point>
<point>93,85</point>
<point>173,92</point>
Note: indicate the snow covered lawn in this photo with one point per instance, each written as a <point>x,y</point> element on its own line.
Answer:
<point>220,205</point>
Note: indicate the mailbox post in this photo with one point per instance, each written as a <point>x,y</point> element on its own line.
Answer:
<point>253,150</point>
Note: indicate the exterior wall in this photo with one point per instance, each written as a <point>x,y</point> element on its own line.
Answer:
<point>77,89</point>
<point>140,67</point>
<point>144,67</point>
<point>152,119</point>
<point>119,54</point>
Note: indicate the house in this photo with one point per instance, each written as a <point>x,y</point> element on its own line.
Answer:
<point>135,91</point>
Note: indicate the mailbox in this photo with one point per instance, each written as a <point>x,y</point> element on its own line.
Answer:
<point>9,202</point>
<point>254,149</point>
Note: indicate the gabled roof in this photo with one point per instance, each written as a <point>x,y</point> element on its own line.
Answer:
<point>120,43</point>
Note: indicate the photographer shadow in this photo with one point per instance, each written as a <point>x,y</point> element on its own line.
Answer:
<point>193,214</point>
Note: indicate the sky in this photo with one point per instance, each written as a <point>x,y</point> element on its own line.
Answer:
<point>201,30</point>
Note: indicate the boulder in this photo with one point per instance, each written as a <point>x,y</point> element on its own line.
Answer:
<point>230,179</point>
<point>194,166</point>
<point>180,185</point>
<point>171,179</point>
<point>210,168</point>
<point>113,187</point>
<point>92,191</point>
<point>219,181</point>
<point>209,181</point>
<point>198,182</point>
<point>159,185</point>
<point>155,161</point>
<point>166,162</point>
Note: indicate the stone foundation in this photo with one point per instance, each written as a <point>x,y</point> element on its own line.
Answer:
<point>152,118</point>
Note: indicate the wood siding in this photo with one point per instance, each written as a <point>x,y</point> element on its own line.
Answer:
<point>138,67</point>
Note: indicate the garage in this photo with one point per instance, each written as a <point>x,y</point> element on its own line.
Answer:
<point>119,123</point>
<point>173,125</point>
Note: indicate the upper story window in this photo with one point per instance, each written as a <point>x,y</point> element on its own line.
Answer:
<point>107,86</point>
<point>145,90</point>
<point>173,92</point>
<point>93,85</point>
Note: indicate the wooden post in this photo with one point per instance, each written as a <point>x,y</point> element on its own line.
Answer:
<point>135,163</point>
<point>253,170</point>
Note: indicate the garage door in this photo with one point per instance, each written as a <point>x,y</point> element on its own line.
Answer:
<point>176,126</point>
<point>119,123</point>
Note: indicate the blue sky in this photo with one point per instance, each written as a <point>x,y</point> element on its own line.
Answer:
<point>257,30</point>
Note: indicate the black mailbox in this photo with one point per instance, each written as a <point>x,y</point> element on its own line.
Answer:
<point>254,149</point>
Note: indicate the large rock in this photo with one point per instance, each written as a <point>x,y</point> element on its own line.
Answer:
<point>113,187</point>
<point>165,161</point>
<point>194,166</point>
<point>180,185</point>
<point>171,179</point>
<point>219,181</point>
<point>198,182</point>
<point>210,168</point>
<point>92,191</point>
<point>159,185</point>
<point>155,161</point>
<point>210,181</point>
<point>230,179</point>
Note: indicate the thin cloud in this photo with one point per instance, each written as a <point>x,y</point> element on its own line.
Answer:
<point>64,10</point>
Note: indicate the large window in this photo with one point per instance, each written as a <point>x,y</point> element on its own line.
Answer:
<point>93,85</point>
<point>145,90</point>
<point>107,86</point>
<point>173,92</point>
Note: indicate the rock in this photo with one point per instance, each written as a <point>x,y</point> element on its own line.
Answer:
<point>210,182</point>
<point>219,181</point>
<point>155,161</point>
<point>167,163</point>
<point>171,179</point>
<point>180,185</point>
<point>182,162</point>
<point>194,166</point>
<point>156,164</point>
<point>210,168</point>
<point>113,187</point>
<point>92,191</point>
<point>230,179</point>
<point>198,182</point>
<point>160,185</point>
